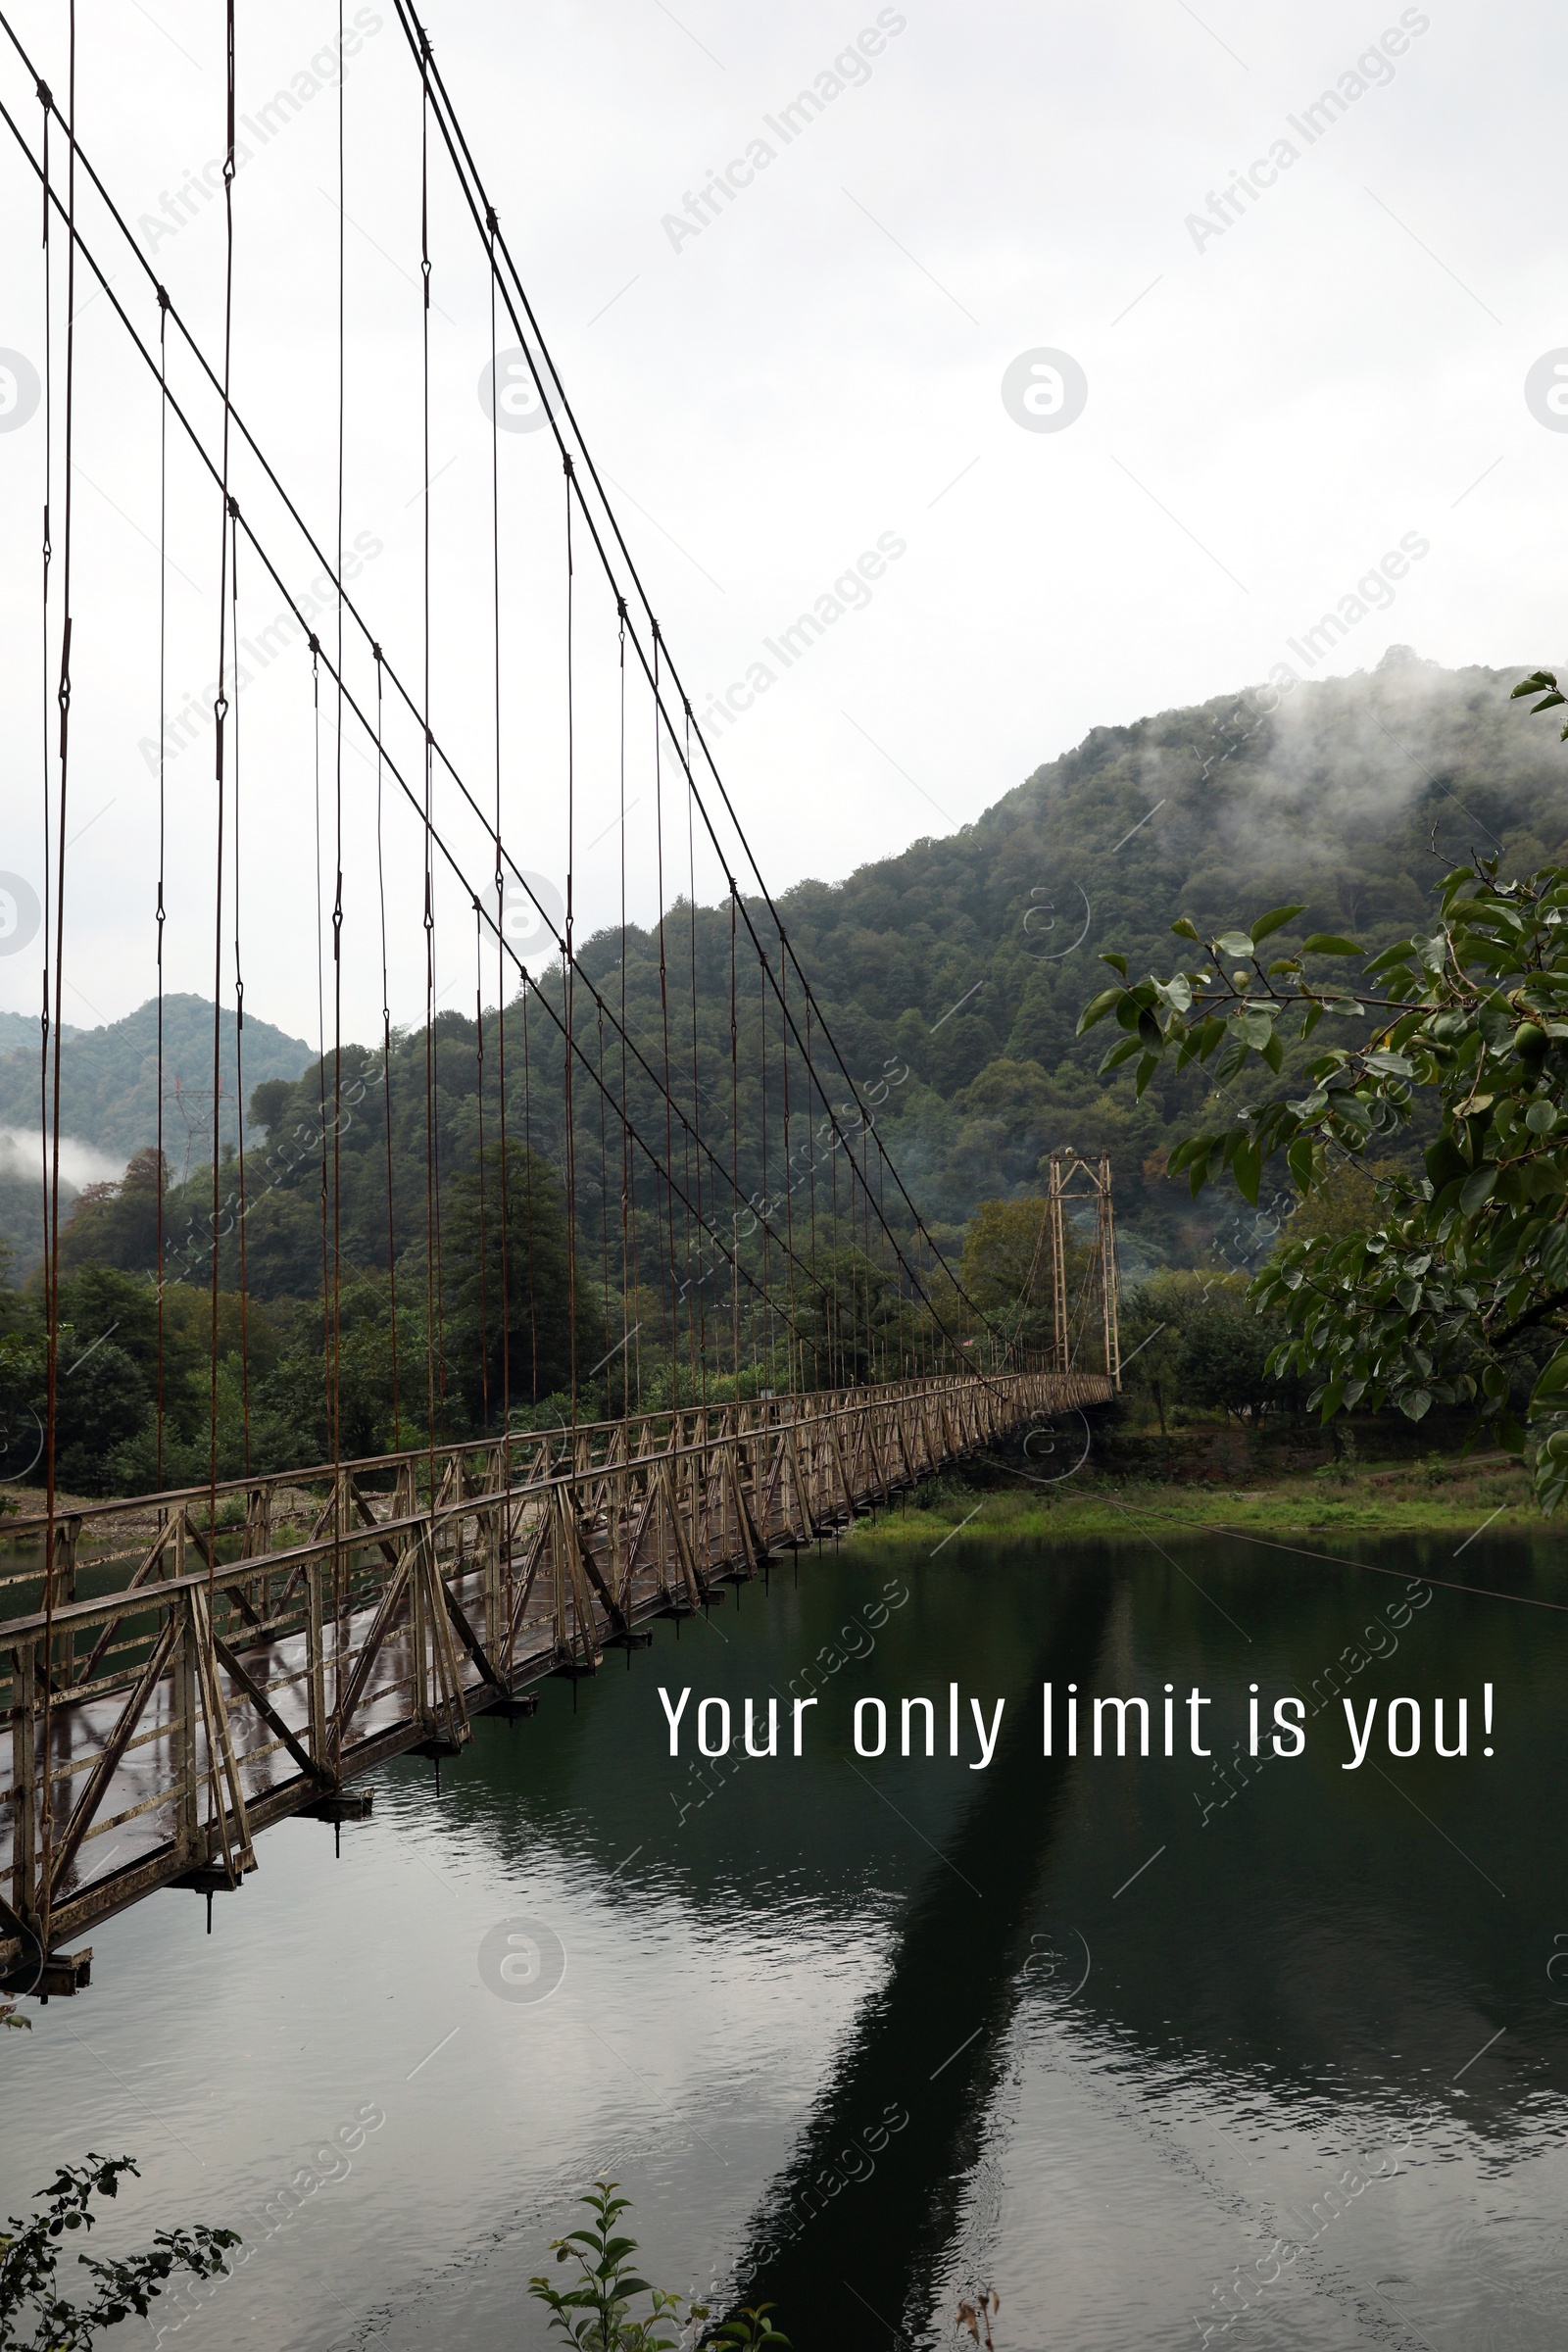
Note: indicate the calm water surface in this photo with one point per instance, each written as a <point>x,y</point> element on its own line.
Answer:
<point>1145,2046</point>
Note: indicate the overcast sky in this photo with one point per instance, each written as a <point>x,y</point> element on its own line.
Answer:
<point>990,308</point>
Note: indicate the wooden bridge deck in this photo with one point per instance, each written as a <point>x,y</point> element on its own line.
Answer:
<point>158,1724</point>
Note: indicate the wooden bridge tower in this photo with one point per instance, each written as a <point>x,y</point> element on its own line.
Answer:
<point>1083,1329</point>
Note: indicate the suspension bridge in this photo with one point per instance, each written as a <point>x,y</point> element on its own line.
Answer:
<point>191,1706</point>
<point>697,1167</point>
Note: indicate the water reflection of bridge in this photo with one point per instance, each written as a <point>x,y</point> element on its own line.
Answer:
<point>872,2194</point>
<point>253,1648</point>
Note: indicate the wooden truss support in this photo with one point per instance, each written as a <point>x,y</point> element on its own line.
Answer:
<point>395,1624</point>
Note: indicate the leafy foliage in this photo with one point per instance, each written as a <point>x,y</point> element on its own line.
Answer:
<point>538,1291</point>
<point>1466,1257</point>
<point>594,2313</point>
<point>951,974</point>
<point>1005,1269</point>
<point>1196,1340</point>
<point>109,1076</point>
<point>749,2331</point>
<point>30,2258</point>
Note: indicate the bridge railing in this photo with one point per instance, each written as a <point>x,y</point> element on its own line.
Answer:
<point>157,1725</point>
<point>515,1457</point>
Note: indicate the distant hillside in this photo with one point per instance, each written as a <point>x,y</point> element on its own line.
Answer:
<point>18,1033</point>
<point>953,973</point>
<point>109,1077</point>
<point>109,1097</point>
<point>1356,794</point>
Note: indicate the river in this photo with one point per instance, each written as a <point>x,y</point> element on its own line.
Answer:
<point>1145,2046</point>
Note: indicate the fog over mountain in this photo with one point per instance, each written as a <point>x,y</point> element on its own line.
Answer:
<point>951,974</point>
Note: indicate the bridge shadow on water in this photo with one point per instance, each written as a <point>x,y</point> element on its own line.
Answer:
<point>853,2234</point>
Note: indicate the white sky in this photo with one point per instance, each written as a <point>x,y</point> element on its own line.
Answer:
<point>819,368</point>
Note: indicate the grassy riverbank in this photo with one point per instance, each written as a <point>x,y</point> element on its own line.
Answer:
<point>1409,1497</point>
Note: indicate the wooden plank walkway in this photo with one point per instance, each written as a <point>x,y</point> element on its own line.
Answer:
<point>234,1672</point>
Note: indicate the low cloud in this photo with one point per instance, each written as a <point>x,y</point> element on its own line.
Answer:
<point>21,1154</point>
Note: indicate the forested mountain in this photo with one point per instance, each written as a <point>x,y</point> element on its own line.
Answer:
<point>1355,794</point>
<point>951,978</point>
<point>109,1077</point>
<point>18,1033</point>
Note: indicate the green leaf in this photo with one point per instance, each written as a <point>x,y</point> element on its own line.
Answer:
<point>1246,1167</point>
<point>1328,943</point>
<point>1553,1379</point>
<point>1118,963</point>
<point>1097,1007</point>
<point>1446,1163</point>
<point>1184,930</point>
<point>1236,944</point>
<point>1275,920</point>
<point>1478,1190</point>
<point>1415,1403</point>
<point>1399,952</point>
<point>1120,1053</point>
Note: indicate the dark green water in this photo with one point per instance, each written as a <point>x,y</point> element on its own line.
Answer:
<point>1148,2046</point>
